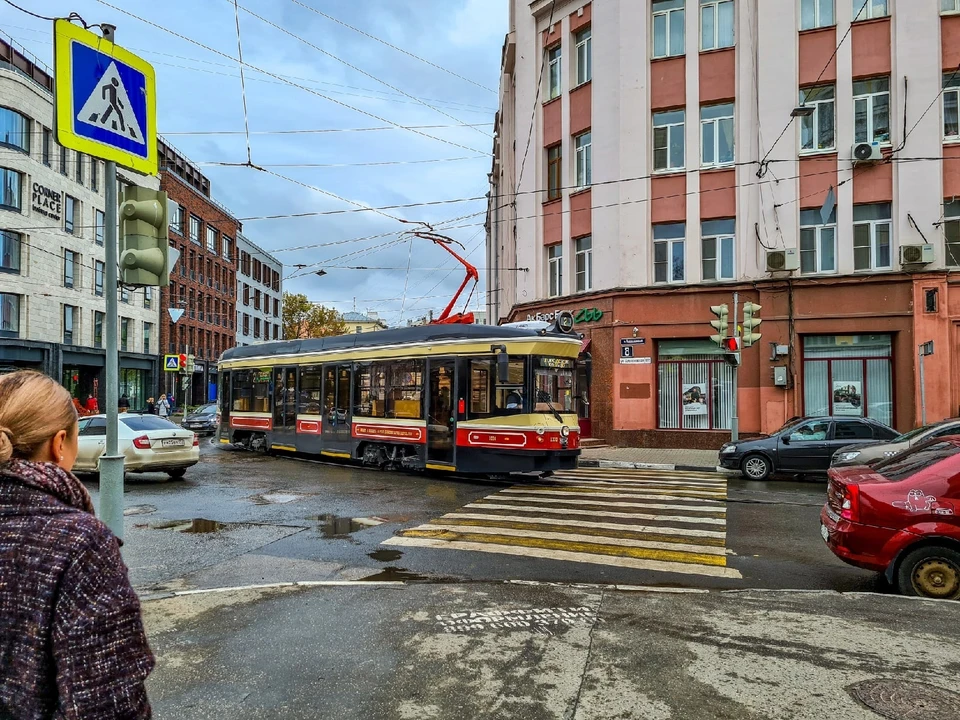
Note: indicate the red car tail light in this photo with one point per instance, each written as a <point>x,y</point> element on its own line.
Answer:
<point>850,502</point>
<point>142,443</point>
<point>196,440</point>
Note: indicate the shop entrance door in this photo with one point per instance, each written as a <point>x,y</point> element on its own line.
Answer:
<point>441,414</point>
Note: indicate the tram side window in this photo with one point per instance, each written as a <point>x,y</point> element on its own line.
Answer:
<point>370,391</point>
<point>261,390</point>
<point>329,389</point>
<point>251,390</point>
<point>310,390</point>
<point>405,389</point>
<point>491,398</point>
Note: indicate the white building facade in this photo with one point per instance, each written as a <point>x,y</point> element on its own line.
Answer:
<point>51,251</point>
<point>259,294</point>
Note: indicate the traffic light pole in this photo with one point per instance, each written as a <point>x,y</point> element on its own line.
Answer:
<point>734,419</point>
<point>111,462</point>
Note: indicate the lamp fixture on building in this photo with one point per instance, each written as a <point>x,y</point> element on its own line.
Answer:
<point>802,111</point>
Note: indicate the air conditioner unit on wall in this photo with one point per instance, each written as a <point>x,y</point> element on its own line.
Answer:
<point>783,260</point>
<point>916,254</point>
<point>866,152</point>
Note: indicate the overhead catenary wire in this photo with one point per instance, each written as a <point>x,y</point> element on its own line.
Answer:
<point>243,85</point>
<point>536,101</point>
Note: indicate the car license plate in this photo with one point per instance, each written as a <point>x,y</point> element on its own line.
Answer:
<point>172,443</point>
<point>824,533</point>
<point>832,515</point>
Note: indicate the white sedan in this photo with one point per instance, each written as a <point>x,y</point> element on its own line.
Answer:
<point>147,442</point>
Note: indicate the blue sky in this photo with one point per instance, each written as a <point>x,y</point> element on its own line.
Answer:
<point>199,92</point>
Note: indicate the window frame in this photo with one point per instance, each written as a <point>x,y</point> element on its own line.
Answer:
<point>195,221</point>
<point>583,160</point>
<point>583,256</point>
<point>669,17</point>
<point>583,52</point>
<point>99,319</point>
<point>720,240</point>
<point>99,225</point>
<point>818,23</point>
<point>69,311</point>
<point>951,224</point>
<point>212,236</point>
<point>671,128</point>
<point>47,144</point>
<point>873,224</point>
<point>78,170</point>
<point>554,55</point>
<point>12,239</point>
<point>554,172</point>
<point>99,273</point>
<point>14,300</point>
<point>814,121</point>
<point>670,242</point>
<point>69,213</point>
<point>818,229</point>
<point>124,334</point>
<point>868,10</point>
<point>176,217</point>
<point>951,88</point>
<point>94,174</point>
<point>715,123</point>
<point>147,336</point>
<point>25,131</point>
<point>555,270</point>
<point>6,172</point>
<point>870,98</point>
<point>716,4</point>
<point>71,263</point>
<point>952,11</point>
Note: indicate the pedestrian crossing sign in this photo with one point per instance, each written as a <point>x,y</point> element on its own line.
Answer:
<point>171,363</point>
<point>105,99</point>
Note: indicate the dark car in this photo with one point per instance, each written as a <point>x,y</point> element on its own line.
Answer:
<point>874,452</point>
<point>803,445</point>
<point>204,419</point>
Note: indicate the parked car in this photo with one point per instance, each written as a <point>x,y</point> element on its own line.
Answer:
<point>204,419</point>
<point>872,452</point>
<point>899,517</point>
<point>147,442</point>
<point>803,445</point>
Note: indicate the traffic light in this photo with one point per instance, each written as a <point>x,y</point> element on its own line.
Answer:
<point>144,242</point>
<point>183,362</point>
<point>731,351</point>
<point>721,324</point>
<point>750,323</point>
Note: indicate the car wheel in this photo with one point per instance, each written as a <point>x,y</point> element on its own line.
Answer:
<point>932,572</point>
<point>756,467</point>
<point>177,474</point>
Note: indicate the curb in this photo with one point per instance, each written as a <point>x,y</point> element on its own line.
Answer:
<point>623,465</point>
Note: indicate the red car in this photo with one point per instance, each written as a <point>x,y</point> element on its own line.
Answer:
<point>901,516</point>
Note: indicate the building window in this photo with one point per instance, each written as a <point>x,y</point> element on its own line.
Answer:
<point>47,140</point>
<point>11,184</point>
<point>69,311</point>
<point>817,131</point>
<point>211,240</point>
<point>176,217</point>
<point>716,24</point>
<point>816,14</point>
<point>931,300</point>
<point>246,294</point>
<point>9,315</point>
<point>949,6</point>
<point>98,268</point>
<point>245,263</point>
<point>951,105</point>
<point>79,169</point>
<point>256,299</point>
<point>871,110</point>
<point>69,214</point>
<point>124,294</point>
<point>870,9</point>
<point>584,56</point>
<point>10,243</point>
<point>99,220</point>
<point>246,324</point>
<point>951,232</point>
<point>69,268</point>
<point>871,237</point>
<point>717,252</point>
<point>695,386</point>
<point>124,333</point>
<point>147,334</point>
<point>226,249</point>
<point>97,328</point>
<point>716,132</point>
<point>194,229</point>
<point>276,332</point>
<point>668,252</point>
<point>668,140</point>
<point>555,270</point>
<point>584,260</point>
<point>14,130</point>
<point>94,174</point>
<point>582,157</point>
<point>554,172</point>
<point>63,160</point>
<point>553,72</point>
<point>256,327</point>
<point>148,297</point>
<point>848,375</point>
<point>818,242</point>
<point>668,28</point>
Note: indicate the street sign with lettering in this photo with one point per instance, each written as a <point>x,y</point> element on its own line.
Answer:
<point>105,99</point>
<point>633,341</point>
<point>626,351</point>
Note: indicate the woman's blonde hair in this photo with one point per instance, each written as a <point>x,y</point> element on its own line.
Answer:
<point>33,408</point>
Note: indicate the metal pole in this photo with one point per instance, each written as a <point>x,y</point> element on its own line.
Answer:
<point>111,462</point>
<point>923,391</point>
<point>734,420</point>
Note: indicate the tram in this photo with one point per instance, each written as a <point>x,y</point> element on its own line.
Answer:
<point>470,399</point>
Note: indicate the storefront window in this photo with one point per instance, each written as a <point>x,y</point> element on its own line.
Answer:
<point>848,375</point>
<point>133,384</point>
<point>695,385</point>
<point>554,384</point>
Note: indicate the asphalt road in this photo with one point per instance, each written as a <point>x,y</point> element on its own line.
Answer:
<point>278,519</point>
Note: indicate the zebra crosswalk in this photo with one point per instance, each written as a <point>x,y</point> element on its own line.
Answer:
<point>636,519</point>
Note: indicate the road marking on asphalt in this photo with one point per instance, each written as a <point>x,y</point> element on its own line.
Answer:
<point>634,519</point>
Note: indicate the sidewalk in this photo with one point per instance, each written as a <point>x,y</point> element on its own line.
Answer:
<point>651,459</point>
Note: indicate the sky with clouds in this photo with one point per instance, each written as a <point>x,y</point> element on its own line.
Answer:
<point>305,89</point>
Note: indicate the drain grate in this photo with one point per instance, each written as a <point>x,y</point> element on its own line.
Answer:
<point>902,700</point>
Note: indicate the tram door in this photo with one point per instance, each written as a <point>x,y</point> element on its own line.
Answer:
<point>441,413</point>
<point>285,407</point>
<point>338,418</point>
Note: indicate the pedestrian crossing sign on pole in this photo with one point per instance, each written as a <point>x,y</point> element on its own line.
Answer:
<point>105,99</point>
<point>171,363</point>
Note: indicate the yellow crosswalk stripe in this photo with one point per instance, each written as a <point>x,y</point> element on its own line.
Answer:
<point>613,501</point>
<point>594,513</point>
<point>615,530</point>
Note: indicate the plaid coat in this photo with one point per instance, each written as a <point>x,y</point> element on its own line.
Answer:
<point>72,645</point>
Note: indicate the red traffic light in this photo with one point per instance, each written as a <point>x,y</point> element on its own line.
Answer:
<point>183,361</point>
<point>731,344</point>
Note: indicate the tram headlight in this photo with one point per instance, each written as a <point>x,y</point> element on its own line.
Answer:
<point>540,430</point>
<point>565,431</point>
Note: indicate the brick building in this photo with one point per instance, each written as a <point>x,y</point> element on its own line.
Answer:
<point>204,281</point>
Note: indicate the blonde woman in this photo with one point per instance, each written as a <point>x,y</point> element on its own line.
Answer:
<point>70,630</point>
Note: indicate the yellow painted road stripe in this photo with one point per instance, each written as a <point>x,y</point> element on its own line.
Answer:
<point>547,554</point>
<point>671,492</point>
<point>715,510</point>
<point>708,504</point>
<point>423,530</point>
<point>661,529</point>
<point>604,530</point>
<point>594,513</point>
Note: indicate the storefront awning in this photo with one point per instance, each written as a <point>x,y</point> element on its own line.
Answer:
<point>585,345</point>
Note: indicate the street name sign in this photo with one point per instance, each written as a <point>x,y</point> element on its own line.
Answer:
<point>106,100</point>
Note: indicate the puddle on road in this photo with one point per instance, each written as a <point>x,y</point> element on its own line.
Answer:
<point>274,498</point>
<point>197,525</point>
<point>385,555</point>
<point>139,510</point>
<point>395,574</point>
<point>332,526</point>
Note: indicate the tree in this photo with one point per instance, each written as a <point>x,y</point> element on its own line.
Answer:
<point>302,319</point>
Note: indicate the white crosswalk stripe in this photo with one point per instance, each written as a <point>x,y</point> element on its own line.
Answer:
<point>662,521</point>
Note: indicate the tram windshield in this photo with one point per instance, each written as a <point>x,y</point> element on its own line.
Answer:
<point>554,383</point>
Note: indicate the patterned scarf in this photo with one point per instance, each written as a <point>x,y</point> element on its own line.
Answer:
<point>49,478</point>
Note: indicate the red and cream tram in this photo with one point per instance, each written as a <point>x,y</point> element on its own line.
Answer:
<point>461,398</point>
